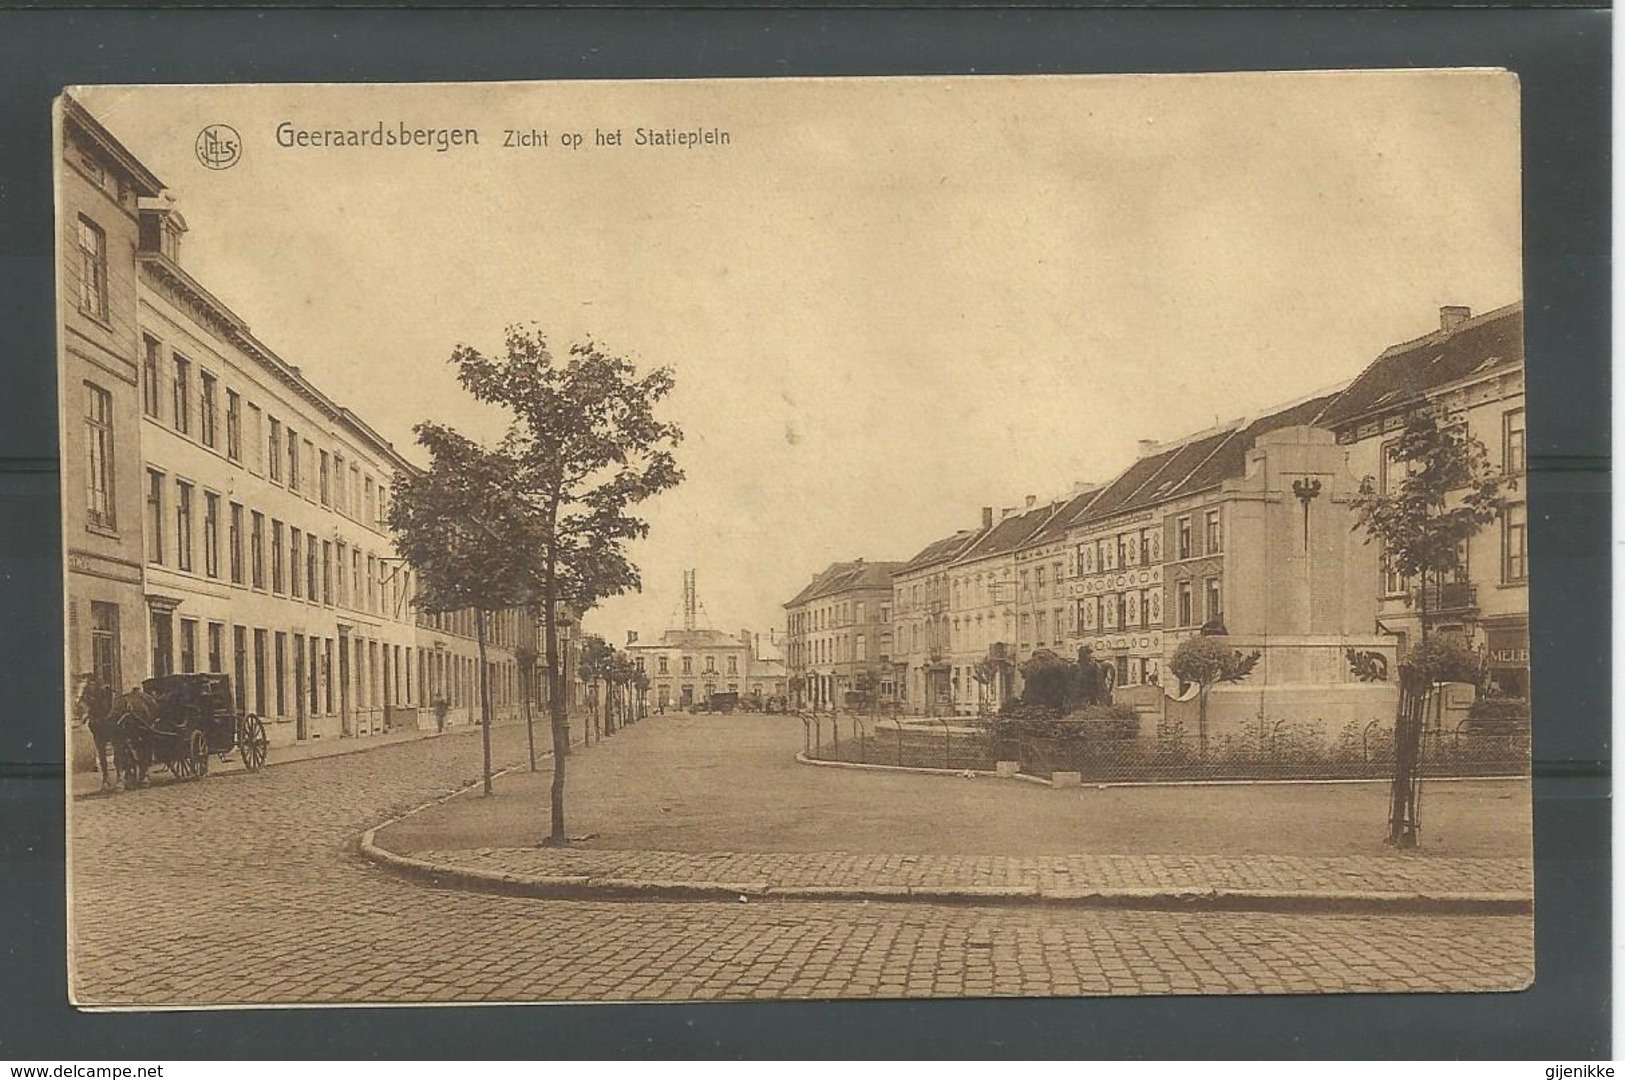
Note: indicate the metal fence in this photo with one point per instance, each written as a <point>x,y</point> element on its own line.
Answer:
<point>1260,750</point>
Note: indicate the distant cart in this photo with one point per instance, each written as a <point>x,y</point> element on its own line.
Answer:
<point>195,718</point>
<point>723,703</point>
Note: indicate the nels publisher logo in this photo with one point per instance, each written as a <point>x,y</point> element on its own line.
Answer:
<point>219,146</point>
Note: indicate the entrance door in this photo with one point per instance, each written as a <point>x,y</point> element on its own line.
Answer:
<point>345,724</point>
<point>239,666</point>
<point>163,644</point>
<point>301,720</point>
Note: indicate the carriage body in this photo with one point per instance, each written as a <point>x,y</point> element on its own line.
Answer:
<point>196,717</point>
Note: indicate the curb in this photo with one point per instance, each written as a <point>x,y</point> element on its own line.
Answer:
<point>587,887</point>
<point>803,759</point>
<point>348,746</point>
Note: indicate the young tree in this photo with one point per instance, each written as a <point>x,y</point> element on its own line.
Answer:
<point>1207,662</point>
<point>453,525</point>
<point>1446,492</point>
<point>622,671</point>
<point>525,657</point>
<point>641,684</point>
<point>590,448</point>
<point>597,656</point>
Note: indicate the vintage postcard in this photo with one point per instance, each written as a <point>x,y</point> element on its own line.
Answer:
<point>844,538</point>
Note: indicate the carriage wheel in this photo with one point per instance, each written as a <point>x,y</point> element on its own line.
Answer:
<point>252,741</point>
<point>177,754</point>
<point>199,747</point>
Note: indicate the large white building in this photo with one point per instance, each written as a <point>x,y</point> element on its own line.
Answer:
<point>247,508</point>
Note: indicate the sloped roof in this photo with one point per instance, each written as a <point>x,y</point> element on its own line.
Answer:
<point>1230,459</point>
<point>818,580</point>
<point>1129,481</point>
<point>1008,534</point>
<point>1185,460</point>
<point>939,551</point>
<point>1406,372</point>
<point>140,176</point>
<point>1055,527</point>
<point>692,639</point>
<point>844,576</point>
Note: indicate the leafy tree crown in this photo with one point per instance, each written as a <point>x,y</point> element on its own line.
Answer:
<point>1443,493</point>
<point>588,445</point>
<point>1210,660</point>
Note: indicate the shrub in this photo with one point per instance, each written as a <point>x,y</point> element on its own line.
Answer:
<point>1443,658</point>
<point>1497,717</point>
<point>1102,722</point>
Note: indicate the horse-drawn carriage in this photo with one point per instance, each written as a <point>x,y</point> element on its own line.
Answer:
<point>179,722</point>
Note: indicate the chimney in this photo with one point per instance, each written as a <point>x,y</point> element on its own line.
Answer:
<point>1147,447</point>
<point>1031,499</point>
<point>631,637</point>
<point>1006,512</point>
<point>1452,316</point>
<point>987,517</point>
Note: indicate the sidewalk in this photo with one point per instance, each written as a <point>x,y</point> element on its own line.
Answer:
<point>1158,882</point>
<point>88,783</point>
<point>687,808</point>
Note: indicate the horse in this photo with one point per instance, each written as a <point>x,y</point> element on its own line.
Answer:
<point>127,728</point>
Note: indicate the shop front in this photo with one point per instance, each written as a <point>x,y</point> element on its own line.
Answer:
<point>1507,646</point>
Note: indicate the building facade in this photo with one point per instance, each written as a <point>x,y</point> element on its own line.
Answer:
<point>237,514</point>
<point>920,613</point>
<point>1247,530</point>
<point>982,609</point>
<point>840,640</point>
<point>1473,367</point>
<point>685,667</point>
<point>99,190</point>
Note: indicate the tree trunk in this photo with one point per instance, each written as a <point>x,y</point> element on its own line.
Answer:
<point>1404,819</point>
<point>1404,823</point>
<point>527,676</point>
<point>1201,722</point>
<point>485,699</point>
<point>558,720</point>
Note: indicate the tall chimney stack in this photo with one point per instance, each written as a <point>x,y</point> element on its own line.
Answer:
<point>1031,499</point>
<point>1452,316</point>
<point>987,517</point>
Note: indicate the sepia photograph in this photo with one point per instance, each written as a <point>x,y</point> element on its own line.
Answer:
<point>838,538</point>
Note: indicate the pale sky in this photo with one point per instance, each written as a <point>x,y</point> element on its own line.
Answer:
<point>887,302</point>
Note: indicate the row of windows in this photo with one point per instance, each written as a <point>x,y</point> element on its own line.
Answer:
<point>281,558</point>
<point>287,673</point>
<point>503,628</point>
<point>291,674</point>
<point>845,613</point>
<point>663,665</point>
<point>840,650</point>
<point>275,450</point>
<point>1143,607</point>
<point>1035,587</point>
<point>1143,547</point>
<point>933,590</point>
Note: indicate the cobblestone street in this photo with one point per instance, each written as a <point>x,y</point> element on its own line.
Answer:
<point>249,889</point>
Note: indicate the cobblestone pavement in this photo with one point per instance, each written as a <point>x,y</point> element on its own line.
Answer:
<point>249,889</point>
<point>1049,874</point>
